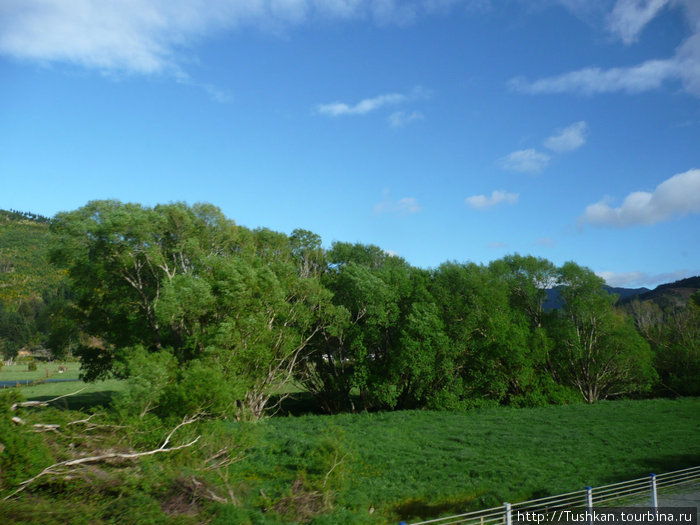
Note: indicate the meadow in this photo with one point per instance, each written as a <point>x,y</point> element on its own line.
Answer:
<point>411,465</point>
<point>421,464</point>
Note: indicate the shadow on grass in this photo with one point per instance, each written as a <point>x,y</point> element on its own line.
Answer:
<point>420,509</point>
<point>298,404</point>
<point>670,463</point>
<point>81,401</point>
<point>304,403</point>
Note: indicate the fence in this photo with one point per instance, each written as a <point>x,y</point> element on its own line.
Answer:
<point>607,495</point>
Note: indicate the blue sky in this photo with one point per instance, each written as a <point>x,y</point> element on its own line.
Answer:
<point>437,129</point>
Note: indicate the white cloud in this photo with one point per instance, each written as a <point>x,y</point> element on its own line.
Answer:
<point>367,105</point>
<point>336,109</point>
<point>481,202</point>
<point>629,17</point>
<point>627,20</point>
<point>401,118</point>
<point>639,279</point>
<point>568,139</point>
<point>149,36</point>
<point>526,160</point>
<point>678,195</point>
<point>593,80</point>
<point>401,207</point>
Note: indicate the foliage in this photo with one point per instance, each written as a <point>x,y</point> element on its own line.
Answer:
<point>598,351</point>
<point>190,282</point>
<point>22,452</point>
<point>674,335</point>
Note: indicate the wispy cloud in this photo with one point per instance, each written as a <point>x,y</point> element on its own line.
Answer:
<point>593,80</point>
<point>401,118</point>
<point>368,105</point>
<point>626,21</point>
<point>677,195</point>
<point>525,160</point>
<point>481,202</point>
<point>639,279</point>
<point>569,138</point>
<point>401,207</point>
<point>629,17</point>
<point>149,36</point>
<point>337,109</point>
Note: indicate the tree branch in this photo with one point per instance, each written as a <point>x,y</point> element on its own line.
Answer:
<point>52,469</point>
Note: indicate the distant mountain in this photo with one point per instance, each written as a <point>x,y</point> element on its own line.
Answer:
<point>675,293</point>
<point>669,294</point>
<point>625,293</point>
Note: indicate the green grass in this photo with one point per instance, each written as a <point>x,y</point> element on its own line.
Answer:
<point>420,464</point>
<point>91,394</point>
<point>19,372</point>
<point>412,465</point>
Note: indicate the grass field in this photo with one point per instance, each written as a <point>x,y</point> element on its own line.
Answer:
<point>410,465</point>
<point>91,394</point>
<point>19,372</point>
<point>421,464</point>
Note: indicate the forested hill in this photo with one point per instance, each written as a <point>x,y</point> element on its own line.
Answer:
<point>25,271</point>
<point>669,294</point>
<point>22,216</point>
<point>29,284</point>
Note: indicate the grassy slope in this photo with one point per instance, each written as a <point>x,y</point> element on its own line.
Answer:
<point>422,464</point>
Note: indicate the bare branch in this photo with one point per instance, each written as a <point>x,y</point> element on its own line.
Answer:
<point>43,403</point>
<point>57,468</point>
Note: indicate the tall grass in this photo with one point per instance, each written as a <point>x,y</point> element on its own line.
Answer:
<point>419,464</point>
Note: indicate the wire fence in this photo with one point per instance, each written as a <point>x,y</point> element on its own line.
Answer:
<point>626,492</point>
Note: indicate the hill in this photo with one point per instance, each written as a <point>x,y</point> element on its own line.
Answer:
<point>670,294</point>
<point>676,293</point>
<point>25,272</point>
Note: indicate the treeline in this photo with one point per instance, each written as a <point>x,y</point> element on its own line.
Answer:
<point>16,215</point>
<point>200,314</point>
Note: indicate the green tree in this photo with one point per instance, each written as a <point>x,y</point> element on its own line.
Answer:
<point>598,350</point>
<point>675,337</point>
<point>188,282</point>
<point>489,339</point>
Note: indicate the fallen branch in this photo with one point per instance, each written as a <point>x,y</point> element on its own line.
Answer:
<point>24,404</point>
<point>57,468</point>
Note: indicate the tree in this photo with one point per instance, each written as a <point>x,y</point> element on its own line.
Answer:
<point>188,282</point>
<point>598,350</point>
<point>528,279</point>
<point>489,339</point>
<point>674,334</point>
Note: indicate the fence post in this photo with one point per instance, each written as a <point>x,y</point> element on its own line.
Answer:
<point>589,504</point>
<point>509,517</point>
<point>654,500</point>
